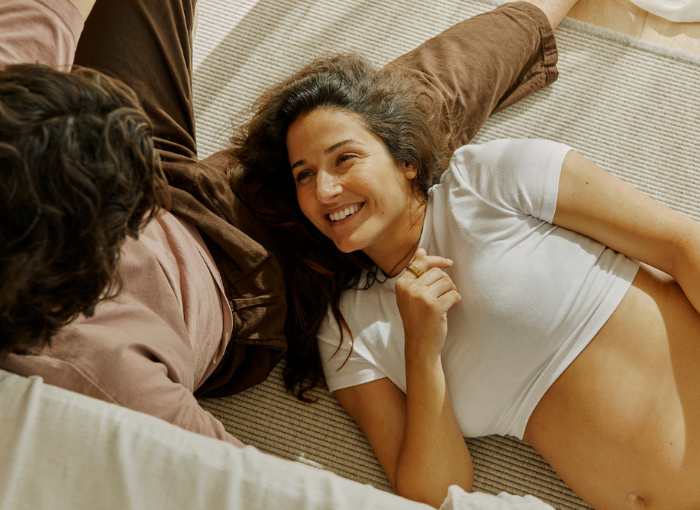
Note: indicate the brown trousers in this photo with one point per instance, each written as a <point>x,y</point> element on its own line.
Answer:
<point>468,72</point>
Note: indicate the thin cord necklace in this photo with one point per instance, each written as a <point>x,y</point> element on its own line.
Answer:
<point>373,274</point>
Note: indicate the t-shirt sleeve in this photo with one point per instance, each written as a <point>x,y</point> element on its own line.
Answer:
<point>157,394</point>
<point>345,366</point>
<point>521,176</point>
<point>39,31</point>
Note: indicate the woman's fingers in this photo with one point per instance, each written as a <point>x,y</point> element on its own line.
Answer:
<point>422,263</point>
<point>438,290</point>
<point>425,289</point>
<point>424,276</point>
<point>438,283</point>
<point>435,276</point>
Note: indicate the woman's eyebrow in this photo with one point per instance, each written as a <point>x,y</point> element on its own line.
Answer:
<point>327,151</point>
<point>338,145</point>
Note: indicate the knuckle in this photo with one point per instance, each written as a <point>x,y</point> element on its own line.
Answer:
<point>402,284</point>
<point>422,298</point>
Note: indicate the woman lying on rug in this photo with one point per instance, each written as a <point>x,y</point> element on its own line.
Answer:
<point>556,334</point>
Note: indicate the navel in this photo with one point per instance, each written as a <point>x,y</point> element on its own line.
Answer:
<point>636,500</point>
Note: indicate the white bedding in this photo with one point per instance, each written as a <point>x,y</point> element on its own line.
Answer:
<point>682,11</point>
<point>60,450</point>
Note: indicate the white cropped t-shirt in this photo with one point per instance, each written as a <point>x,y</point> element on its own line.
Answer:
<point>533,294</point>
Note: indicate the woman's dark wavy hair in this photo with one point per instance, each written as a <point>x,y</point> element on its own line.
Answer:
<point>315,270</point>
<point>78,173</point>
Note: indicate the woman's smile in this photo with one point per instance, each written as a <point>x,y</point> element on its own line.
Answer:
<point>344,213</point>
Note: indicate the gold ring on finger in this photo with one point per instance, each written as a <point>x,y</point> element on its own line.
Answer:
<point>414,269</point>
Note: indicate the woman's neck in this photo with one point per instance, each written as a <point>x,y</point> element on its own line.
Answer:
<point>401,249</point>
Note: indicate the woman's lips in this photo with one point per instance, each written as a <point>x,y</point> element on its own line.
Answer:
<point>344,213</point>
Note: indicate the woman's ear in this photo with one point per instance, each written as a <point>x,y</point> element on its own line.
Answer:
<point>409,170</point>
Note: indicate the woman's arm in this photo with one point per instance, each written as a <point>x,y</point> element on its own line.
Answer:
<point>379,409</point>
<point>597,204</point>
<point>415,436</point>
<point>420,463</point>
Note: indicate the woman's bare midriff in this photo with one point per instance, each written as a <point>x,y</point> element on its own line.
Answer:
<point>621,425</point>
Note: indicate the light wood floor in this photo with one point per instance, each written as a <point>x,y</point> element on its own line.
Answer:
<point>624,16</point>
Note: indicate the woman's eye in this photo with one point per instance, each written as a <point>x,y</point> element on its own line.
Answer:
<point>301,176</point>
<point>345,157</point>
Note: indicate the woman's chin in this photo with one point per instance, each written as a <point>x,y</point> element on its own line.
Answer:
<point>346,245</point>
<point>344,248</point>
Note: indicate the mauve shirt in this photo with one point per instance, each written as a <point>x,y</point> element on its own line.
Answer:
<point>149,348</point>
<point>39,31</point>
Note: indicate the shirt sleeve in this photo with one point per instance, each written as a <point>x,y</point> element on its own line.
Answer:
<point>39,31</point>
<point>520,176</point>
<point>343,366</point>
<point>129,374</point>
<point>159,395</point>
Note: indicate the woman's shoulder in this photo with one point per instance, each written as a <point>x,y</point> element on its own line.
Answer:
<point>513,175</point>
<point>506,153</point>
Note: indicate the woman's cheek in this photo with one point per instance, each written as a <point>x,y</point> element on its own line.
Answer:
<point>306,204</point>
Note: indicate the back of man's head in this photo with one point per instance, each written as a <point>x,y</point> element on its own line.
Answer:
<point>78,173</point>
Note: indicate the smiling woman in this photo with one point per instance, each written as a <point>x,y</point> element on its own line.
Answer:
<point>558,330</point>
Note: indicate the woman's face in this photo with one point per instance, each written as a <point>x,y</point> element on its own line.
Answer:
<point>347,183</point>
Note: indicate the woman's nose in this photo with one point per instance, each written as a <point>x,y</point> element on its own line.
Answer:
<point>327,186</point>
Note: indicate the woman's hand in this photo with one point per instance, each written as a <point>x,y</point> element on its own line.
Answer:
<point>423,302</point>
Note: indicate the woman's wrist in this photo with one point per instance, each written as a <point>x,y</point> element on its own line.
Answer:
<point>425,376</point>
<point>421,358</point>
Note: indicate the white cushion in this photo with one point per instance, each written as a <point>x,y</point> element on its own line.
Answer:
<point>62,450</point>
<point>683,11</point>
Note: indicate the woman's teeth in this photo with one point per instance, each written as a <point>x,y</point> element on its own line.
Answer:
<point>341,215</point>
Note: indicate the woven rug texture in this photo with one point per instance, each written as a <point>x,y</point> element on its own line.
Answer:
<point>630,106</point>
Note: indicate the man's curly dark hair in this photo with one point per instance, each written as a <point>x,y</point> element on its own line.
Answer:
<point>78,173</point>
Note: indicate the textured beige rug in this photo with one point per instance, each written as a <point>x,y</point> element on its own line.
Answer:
<point>630,106</point>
